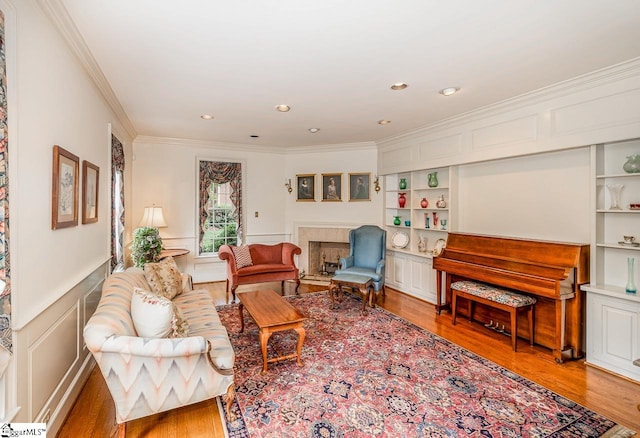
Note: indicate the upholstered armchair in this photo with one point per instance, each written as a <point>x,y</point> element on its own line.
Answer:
<point>367,255</point>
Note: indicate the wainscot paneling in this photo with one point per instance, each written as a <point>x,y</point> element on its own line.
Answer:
<point>444,147</point>
<point>393,160</point>
<point>603,106</point>
<point>59,357</point>
<point>56,361</point>
<point>510,132</point>
<point>601,113</point>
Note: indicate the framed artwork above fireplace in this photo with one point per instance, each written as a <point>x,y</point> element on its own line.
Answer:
<point>306,185</point>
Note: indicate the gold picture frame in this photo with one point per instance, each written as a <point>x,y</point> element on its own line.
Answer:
<point>331,187</point>
<point>90,181</point>
<point>359,186</point>
<point>306,187</point>
<point>64,193</point>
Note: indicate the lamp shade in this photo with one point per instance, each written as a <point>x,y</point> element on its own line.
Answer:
<point>153,217</point>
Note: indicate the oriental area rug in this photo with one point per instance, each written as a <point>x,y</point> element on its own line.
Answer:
<point>381,376</point>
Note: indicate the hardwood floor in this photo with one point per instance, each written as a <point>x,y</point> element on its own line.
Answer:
<point>93,414</point>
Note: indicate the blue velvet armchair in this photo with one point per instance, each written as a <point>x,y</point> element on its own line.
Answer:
<point>367,255</point>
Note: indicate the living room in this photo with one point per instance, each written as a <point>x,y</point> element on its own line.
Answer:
<point>525,168</point>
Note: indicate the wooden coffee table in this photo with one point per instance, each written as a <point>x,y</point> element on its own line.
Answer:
<point>272,313</point>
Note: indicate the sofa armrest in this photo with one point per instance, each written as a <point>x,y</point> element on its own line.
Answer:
<point>288,251</point>
<point>153,347</point>
<point>225,253</point>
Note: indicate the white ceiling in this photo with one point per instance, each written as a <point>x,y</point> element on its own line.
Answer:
<point>333,62</point>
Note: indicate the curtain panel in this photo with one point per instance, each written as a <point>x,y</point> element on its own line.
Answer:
<point>220,172</point>
<point>5,271</point>
<point>117,198</point>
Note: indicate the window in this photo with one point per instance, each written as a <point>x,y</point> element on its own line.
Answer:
<point>220,206</point>
<point>220,227</point>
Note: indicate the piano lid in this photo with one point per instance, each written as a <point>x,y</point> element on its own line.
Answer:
<point>539,258</point>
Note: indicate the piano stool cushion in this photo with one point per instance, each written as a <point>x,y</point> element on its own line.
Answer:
<point>493,293</point>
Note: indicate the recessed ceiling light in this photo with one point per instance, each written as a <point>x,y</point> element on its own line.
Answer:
<point>206,117</point>
<point>283,108</point>
<point>399,86</point>
<point>384,122</point>
<point>314,130</point>
<point>449,91</point>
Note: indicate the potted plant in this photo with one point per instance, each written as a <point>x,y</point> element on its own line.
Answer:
<point>146,246</point>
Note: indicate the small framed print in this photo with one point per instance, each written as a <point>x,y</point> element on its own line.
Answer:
<point>90,177</point>
<point>306,187</point>
<point>64,211</point>
<point>359,187</point>
<point>331,187</point>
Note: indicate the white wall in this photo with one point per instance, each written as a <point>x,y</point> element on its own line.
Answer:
<point>57,104</point>
<point>165,174</point>
<point>542,196</point>
<point>344,159</point>
<point>51,101</point>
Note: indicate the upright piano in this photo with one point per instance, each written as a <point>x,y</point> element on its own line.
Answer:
<point>550,271</point>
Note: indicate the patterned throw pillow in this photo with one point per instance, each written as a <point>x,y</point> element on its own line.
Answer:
<point>164,277</point>
<point>179,325</point>
<point>155,316</point>
<point>242,255</point>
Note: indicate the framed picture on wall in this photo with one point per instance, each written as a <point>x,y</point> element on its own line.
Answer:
<point>331,187</point>
<point>359,187</point>
<point>306,185</point>
<point>64,212</point>
<point>90,174</point>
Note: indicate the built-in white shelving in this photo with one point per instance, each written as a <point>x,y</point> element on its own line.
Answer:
<point>408,268</point>
<point>613,315</point>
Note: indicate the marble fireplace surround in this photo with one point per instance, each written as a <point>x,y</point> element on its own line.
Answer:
<point>320,232</point>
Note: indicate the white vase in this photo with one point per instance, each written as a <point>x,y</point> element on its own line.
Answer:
<point>630,288</point>
<point>614,194</point>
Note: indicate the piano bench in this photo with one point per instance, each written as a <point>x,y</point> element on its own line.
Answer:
<point>496,297</point>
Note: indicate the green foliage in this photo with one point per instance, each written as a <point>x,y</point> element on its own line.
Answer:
<point>146,246</point>
<point>229,232</point>
<point>219,230</point>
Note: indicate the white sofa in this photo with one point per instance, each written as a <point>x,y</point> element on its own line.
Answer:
<point>150,375</point>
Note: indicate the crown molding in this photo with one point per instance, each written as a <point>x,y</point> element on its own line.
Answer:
<point>341,147</point>
<point>606,75</point>
<point>59,16</point>
<point>209,144</point>
<point>255,148</point>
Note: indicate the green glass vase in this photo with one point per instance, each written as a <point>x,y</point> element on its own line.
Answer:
<point>432,179</point>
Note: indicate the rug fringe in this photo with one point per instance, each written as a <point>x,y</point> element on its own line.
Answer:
<point>618,432</point>
<point>222,414</point>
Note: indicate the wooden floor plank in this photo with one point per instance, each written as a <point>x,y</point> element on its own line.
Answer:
<point>93,414</point>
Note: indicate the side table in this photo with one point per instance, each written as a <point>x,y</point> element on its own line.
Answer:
<point>362,283</point>
<point>175,252</point>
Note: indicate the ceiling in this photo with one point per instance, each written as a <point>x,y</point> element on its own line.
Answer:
<point>333,62</point>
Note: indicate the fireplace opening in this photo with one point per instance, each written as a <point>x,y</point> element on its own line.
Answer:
<point>324,258</point>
